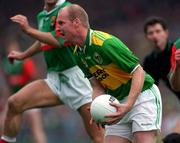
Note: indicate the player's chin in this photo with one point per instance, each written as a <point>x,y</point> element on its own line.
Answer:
<point>67,38</point>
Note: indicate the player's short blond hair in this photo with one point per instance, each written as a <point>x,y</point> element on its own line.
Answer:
<point>76,11</point>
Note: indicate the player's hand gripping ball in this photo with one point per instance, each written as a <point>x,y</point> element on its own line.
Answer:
<point>101,107</point>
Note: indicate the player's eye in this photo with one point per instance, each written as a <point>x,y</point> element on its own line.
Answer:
<point>158,31</point>
<point>150,33</point>
<point>60,22</point>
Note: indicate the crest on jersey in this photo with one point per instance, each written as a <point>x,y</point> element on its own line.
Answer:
<point>97,57</point>
<point>53,20</point>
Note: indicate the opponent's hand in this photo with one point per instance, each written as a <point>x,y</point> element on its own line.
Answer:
<point>177,57</point>
<point>22,21</point>
<point>15,55</point>
<point>122,109</point>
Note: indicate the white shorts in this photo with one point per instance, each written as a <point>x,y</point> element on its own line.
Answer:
<point>145,115</point>
<point>71,86</point>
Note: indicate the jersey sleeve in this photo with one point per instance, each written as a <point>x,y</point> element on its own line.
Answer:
<point>120,55</point>
<point>177,44</point>
<point>173,60</point>
<point>29,69</point>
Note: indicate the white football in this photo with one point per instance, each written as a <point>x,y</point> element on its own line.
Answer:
<point>101,107</point>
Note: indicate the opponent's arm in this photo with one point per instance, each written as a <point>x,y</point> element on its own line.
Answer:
<point>175,77</point>
<point>35,48</point>
<point>45,37</point>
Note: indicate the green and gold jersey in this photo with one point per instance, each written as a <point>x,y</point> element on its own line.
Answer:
<point>57,59</point>
<point>173,60</point>
<point>111,62</point>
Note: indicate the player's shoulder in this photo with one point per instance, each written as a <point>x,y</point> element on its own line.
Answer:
<point>99,37</point>
<point>177,43</point>
<point>41,13</point>
<point>101,34</point>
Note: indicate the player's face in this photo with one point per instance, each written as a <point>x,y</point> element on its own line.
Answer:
<point>66,26</point>
<point>157,35</point>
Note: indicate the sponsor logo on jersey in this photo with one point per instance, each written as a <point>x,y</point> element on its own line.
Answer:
<point>100,74</point>
<point>53,20</point>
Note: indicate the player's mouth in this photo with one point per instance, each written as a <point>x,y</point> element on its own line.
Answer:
<point>62,33</point>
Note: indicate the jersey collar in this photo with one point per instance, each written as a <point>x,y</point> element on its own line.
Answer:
<point>177,43</point>
<point>88,41</point>
<point>59,2</point>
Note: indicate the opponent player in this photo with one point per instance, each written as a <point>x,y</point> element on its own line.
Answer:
<point>65,83</point>
<point>159,59</point>
<point>105,57</point>
<point>174,75</point>
<point>18,74</point>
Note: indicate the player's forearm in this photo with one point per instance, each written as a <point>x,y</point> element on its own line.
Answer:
<point>136,86</point>
<point>35,48</point>
<point>175,79</point>
<point>44,37</point>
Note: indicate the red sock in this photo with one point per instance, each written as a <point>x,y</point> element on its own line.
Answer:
<point>2,141</point>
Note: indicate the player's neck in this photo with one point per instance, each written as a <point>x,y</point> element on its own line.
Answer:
<point>81,39</point>
<point>50,7</point>
<point>162,46</point>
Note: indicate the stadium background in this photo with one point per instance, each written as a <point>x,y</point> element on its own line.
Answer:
<point>122,18</point>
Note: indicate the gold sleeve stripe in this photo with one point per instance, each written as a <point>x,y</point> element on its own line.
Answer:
<point>97,40</point>
<point>102,35</point>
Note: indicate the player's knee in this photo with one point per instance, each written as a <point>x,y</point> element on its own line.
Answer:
<point>145,136</point>
<point>14,105</point>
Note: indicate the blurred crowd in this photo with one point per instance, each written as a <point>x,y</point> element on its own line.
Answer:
<point>124,19</point>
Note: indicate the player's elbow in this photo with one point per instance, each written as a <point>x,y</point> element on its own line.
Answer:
<point>139,70</point>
